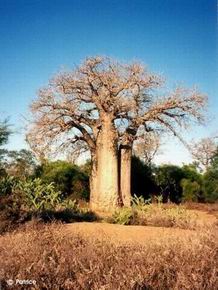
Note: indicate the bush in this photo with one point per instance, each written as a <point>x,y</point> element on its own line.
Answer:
<point>191,190</point>
<point>211,182</point>
<point>168,179</point>
<point>35,199</point>
<point>6,184</point>
<point>35,195</point>
<point>11,213</point>
<point>27,198</point>
<point>124,216</point>
<point>66,177</point>
<point>139,202</point>
<point>155,215</point>
<point>169,217</point>
<point>192,184</point>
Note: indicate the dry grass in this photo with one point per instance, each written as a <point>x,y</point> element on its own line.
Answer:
<point>208,207</point>
<point>57,260</point>
<point>156,215</point>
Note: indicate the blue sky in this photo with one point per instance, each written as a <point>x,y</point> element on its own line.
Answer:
<point>173,37</point>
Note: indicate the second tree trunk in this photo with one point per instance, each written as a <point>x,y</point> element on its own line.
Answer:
<point>125,174</point>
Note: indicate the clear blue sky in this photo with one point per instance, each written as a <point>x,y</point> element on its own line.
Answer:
<point>173,37</point>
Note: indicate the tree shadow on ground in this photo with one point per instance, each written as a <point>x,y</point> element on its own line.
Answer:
<point>13,220</point>
<point>67,216</point>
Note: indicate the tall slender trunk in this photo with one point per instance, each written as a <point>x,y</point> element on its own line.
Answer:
<point>125,155</point>
<point>93,181</point>
<point>104,176</point>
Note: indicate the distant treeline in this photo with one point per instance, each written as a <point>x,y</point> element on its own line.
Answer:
<point>170,182</point>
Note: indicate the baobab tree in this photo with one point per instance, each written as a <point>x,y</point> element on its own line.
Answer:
<point>147,146</point>
<point>203,151</point>
<point>102,105</point>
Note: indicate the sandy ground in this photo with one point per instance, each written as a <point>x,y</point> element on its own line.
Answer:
<point>126,234</point>
<point>131,234</point>
<point>205,216</point>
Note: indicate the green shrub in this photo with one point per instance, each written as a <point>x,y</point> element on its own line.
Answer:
<point>124,216</point>
<point>6,184</point>
<point>33,198</point>
<point>211,181</point>
<point>37,195</point>
<point>168,178</point>
<point>191,190</point>
<point>69,204</point>
<point>66,177</point>
<point>139,202</point>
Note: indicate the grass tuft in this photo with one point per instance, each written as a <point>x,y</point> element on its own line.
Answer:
<point>57,260</point>
<point>156,215</point>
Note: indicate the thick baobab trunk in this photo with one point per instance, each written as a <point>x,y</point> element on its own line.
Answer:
<point>104,177</point>
<point>125,174</point>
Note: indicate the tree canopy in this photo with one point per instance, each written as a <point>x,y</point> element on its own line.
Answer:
<point>104,106</point>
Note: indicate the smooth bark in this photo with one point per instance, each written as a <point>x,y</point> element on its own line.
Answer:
<point>125,174</point>
<point>104,178</point>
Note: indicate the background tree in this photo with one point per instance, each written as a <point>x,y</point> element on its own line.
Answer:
<point>190,189</point>
<point>203,152</point>
<point>20,163</point>
<point>4,132</point>
<point>68,178</point>
<point>211,180</point>
<point>192,184</point>
<point>142,179</point>
<point>168,179</point>
<point>4,135</point>
<point>146,147</point>
<point>100,106</point>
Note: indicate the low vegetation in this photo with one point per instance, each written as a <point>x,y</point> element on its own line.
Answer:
<point>155,215</point>
<point>51,257</point>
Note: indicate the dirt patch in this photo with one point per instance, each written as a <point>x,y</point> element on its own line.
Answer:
<point>205,216</point>
<point>137,234</point>
<point>125,234</point>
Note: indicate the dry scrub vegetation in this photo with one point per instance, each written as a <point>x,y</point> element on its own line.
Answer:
<point>57,260</point>
<point>156,215</point>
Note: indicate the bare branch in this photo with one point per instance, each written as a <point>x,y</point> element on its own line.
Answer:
<point>73,105</point>
<point>203,151</point>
